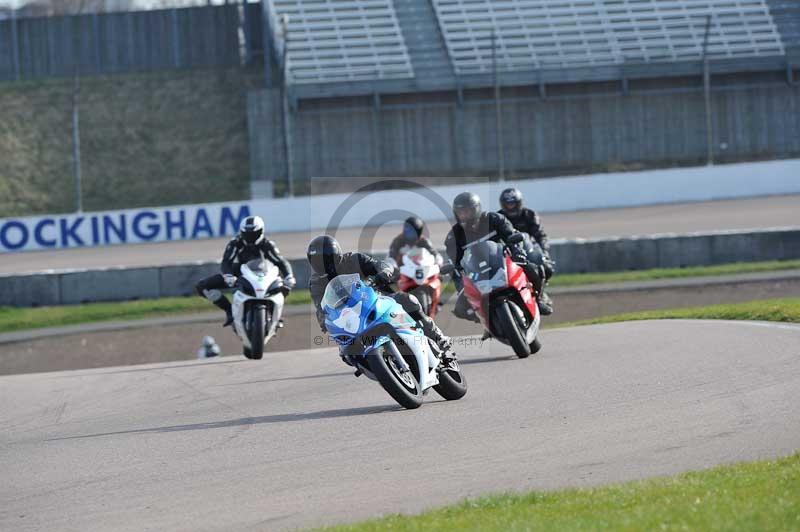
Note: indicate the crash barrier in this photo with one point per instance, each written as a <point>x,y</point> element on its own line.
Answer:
<point>571,256</point>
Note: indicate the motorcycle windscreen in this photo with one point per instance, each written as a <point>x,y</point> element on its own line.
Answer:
<point>484,265</point>
<point>482,260</point>
<point>417,255</point>
<point>260,267</point>
<point>338,290</point>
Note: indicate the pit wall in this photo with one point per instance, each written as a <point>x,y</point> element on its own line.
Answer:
<point>332,211</point>
<point>572,256</point>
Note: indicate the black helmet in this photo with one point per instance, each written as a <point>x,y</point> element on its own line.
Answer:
<point>324,253</point>
<point>251,231</point>
<point>511,202</point>
<point>413,228</point>
<point>467,208</point>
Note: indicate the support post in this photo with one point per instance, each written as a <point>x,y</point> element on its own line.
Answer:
<point>707,93</point>
<point>287,122</point>
<point>498,112</point>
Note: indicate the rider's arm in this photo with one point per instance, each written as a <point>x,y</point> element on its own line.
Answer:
<point>228,258</point>
<point>370,266</point>
<point>273,254</point>
<point>501,224</point>
<point>537,231</point>
<point>451,248</point>
<point>394,249</point>
<point>316,288</point>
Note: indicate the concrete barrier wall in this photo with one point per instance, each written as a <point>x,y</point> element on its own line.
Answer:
<point>572,256</point>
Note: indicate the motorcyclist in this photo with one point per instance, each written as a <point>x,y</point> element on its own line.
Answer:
<point>328,261</point>
<point>249,244</point>
<point>413,235</point>
<point>473,224</point>
<point>528,222</point>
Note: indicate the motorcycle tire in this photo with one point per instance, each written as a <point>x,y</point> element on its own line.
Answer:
<point>424,298</point>
<point>536,346</point>
<point>452,383</point>
<point>508,325</point>
<point>404,388</point>
<point>257,332</point>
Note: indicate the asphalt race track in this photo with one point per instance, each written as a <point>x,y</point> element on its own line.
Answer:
<point>296,441</point>
<point>756,213</point>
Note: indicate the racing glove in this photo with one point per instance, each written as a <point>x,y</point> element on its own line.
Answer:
<point>289,281</point>
<point>384,279</point>
<point>230,280</point>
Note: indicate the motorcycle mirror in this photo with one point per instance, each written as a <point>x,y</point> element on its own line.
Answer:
<point>447,269</point>
<point>516,238</point>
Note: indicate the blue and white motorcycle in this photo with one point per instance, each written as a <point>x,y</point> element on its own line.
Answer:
<point>384,343</point>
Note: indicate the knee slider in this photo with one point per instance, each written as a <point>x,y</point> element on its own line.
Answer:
<point>212,295</point>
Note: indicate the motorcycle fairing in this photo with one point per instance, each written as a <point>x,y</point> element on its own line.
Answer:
<point>353,317</point>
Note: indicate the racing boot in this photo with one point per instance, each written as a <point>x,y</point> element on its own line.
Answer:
<point>225,305</point>
<point>545,304</point>
<point>463,310</point>
<point>432,331</point>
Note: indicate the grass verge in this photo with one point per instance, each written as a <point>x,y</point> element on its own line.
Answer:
<point>581,279</point>
<point>762,495</point>
<point>785,310</point>
<point>16,319</point>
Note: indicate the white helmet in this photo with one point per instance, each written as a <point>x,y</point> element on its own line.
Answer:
<point>252,230</point>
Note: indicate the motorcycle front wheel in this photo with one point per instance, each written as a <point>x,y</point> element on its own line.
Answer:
<point>508,325</point>
<point>402,386</point>
<point>258,331</point>
<point>452,383</point>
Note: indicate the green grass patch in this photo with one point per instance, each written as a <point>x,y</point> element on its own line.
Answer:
<point>16,319</point>
<point>581,279</point>
<point>762,496</point>
<point>785,310</point>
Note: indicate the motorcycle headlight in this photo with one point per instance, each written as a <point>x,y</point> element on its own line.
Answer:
<point>487,286</point>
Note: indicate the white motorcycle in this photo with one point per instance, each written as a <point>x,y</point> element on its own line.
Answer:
<point>257,305</point>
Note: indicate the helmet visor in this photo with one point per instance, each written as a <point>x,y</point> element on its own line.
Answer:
<point>252,237</point>
<point>468,215</point>
<point>512,207</point>
<point>410,232</point>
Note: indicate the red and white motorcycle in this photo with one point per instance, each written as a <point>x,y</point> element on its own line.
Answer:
<point>419,275</point>
<point>499,292</point>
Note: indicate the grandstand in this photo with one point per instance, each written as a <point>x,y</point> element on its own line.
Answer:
<point>351,47</point>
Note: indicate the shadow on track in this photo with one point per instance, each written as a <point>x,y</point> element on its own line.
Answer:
<point>282,379</point>
<point>277,418</point>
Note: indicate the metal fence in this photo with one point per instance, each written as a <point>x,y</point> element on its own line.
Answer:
<point>110,43</point>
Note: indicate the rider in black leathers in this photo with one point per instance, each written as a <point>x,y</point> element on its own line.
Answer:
<point>528,222</point>
<point>328,261</point>
<point>248,245</point>
<point>472,224</point>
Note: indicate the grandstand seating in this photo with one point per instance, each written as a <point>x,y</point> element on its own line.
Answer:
<point>342,40</point>
<point>540,34</point>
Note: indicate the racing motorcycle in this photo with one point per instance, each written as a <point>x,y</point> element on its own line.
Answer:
<point>419,275</point>
<point>499,292</point>
<point>378,338</point>
<point>258,299</point>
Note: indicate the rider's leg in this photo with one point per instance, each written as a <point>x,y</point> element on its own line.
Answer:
<point>211,289</point>
<point>411,305</point>
<point>463,309</point>
<point>535,270</point>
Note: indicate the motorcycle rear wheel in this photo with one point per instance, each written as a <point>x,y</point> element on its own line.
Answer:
<point>403,387</point>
